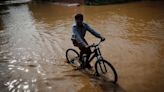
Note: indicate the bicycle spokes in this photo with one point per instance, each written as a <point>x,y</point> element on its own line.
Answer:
<point>73,57</point>
<point>102,67</point>
<point>105,69</point>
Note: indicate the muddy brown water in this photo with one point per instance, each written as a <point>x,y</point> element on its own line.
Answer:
<point>34,38</point>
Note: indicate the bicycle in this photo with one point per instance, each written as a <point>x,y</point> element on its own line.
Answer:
<point>102,67</point>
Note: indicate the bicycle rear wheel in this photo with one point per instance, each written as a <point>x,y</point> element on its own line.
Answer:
<point>104,68</point>
<point>72,57</point>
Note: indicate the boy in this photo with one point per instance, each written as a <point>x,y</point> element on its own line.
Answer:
<point>79,31</point>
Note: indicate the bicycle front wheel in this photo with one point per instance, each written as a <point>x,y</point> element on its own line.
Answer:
<point>104,68</point>
<point>72,57</point>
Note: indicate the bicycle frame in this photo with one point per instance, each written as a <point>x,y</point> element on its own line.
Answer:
<point>101,65</point>
<point>95,53</point>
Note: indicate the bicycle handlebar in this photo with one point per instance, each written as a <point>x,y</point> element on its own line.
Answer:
<point>94,45</point>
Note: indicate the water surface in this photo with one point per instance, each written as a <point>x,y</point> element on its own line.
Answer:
<point>34,38</point>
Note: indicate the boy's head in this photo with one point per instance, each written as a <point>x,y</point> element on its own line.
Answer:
<point>79,19</point>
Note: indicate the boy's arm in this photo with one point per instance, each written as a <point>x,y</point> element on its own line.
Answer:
<point>92,31</point>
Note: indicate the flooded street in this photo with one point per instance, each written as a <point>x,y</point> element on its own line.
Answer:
<point>34,38</point>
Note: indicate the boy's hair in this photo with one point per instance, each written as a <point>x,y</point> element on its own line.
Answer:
<point>79,16</point>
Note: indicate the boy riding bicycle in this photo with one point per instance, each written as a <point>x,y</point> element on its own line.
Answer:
<point>79,30</point>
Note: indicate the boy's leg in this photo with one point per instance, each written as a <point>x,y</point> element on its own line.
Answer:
<point>82,51</point>
<point>88,52</point>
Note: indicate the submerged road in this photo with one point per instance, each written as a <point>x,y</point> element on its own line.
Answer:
<point>34,38</point>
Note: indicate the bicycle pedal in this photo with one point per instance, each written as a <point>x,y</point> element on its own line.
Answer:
<point>91,71</point>
<point>97,75</point>
<point>68,62</point>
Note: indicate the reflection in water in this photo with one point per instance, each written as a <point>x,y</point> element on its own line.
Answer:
<point>4,72</point>
<point>34,38</point>
<point>15,37</point>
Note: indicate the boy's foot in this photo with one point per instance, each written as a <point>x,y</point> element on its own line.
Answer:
<point>68,62</point>
<point>78,68</point>
<point>83,67</point>
<point>88,66</point>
